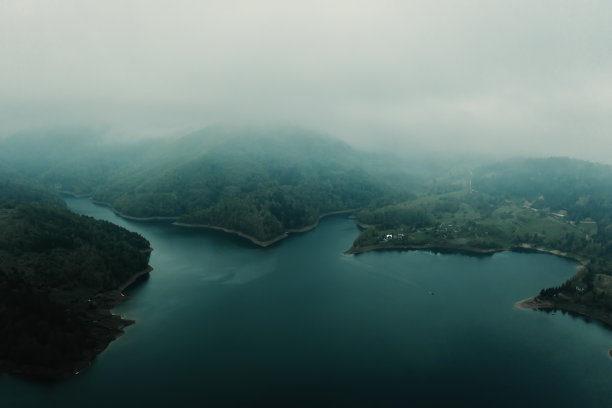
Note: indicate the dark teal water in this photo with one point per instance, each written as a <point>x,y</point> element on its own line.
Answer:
<point>222,323</point>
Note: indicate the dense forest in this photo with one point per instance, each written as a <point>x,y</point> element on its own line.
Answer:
<point>57,271</point>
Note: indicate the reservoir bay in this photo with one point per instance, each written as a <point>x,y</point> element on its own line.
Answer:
<point>221,322</point>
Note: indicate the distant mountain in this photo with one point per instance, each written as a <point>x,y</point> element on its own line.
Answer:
<point>69,159</point>
<point>582,188</point>
<point>16,188</point>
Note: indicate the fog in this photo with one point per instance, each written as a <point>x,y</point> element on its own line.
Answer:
<point>490,77</point>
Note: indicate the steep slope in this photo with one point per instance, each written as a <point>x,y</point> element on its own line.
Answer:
<point>59,275</point>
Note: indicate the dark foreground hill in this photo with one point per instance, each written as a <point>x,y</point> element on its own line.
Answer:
<point>59,276</point>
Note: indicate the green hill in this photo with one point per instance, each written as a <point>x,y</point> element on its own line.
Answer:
<point>261,183</point>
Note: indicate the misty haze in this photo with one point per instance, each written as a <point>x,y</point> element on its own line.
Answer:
<point>310,204</point>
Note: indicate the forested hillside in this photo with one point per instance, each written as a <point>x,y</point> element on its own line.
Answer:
<point>56,271</point>
<point>259,183</point>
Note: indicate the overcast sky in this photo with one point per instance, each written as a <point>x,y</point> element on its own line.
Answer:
<point>512,76</point>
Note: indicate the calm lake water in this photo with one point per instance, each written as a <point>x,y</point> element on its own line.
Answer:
<point>223,323</point>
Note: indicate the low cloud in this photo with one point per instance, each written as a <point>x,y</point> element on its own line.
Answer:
<point>473,76</point>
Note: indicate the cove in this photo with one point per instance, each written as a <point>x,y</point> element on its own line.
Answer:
<point>221,322</point>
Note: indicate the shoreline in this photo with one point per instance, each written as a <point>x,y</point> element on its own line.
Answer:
<point>134,278</point>
<point>533,303</point>
<point>103,326</point>
<point>114,210</point>
<point>465,249</point>
<point>274,240</point>
<point>563,304</point>
<point>174,219</point>
<point>131,217</point>
<point>425,247</point>
<point>241,234</point>
<point>318,221</point>
<point>74,195</point>
<point>187,225</point>
<point>109,326</point>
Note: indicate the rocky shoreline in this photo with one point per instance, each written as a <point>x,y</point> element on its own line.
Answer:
<point>102,325</point>
<point>256,241</point>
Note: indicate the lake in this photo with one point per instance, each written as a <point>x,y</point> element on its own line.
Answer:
<point>223,323</point>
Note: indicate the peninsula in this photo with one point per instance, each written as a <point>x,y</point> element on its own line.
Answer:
<point>60,276</point>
